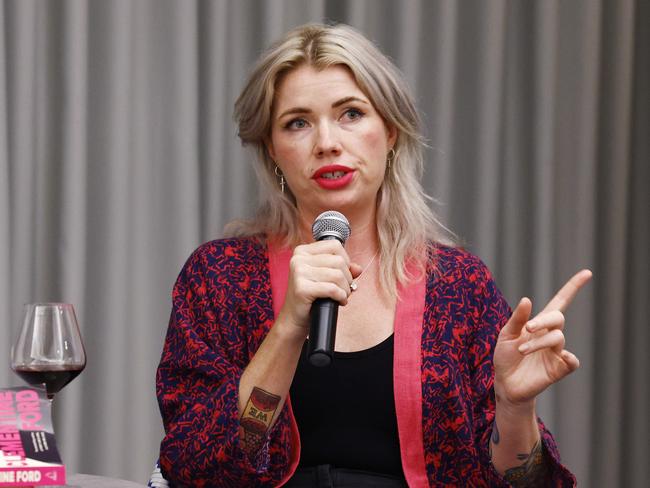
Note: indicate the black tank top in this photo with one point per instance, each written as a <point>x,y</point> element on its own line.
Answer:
<point>346,411</point>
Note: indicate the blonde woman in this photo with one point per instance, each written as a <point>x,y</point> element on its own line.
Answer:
<point>433,380</point>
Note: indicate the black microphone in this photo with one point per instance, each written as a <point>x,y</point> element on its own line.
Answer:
<point>324,311</point>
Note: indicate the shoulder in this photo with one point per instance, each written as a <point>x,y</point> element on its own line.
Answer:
<point>231,252</point>
<point>231,247</point>
<point>222,260</point>
<point>455,265</point>
<point>461,281</point>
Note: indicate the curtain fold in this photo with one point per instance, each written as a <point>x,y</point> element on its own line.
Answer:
<point>5,209</point>
<point>118,156</point>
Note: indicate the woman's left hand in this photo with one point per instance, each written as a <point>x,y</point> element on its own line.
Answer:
<point>530,355</point>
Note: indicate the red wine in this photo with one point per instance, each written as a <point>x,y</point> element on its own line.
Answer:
<point>55,377</point>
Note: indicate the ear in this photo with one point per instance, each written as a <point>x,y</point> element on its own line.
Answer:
<point>391,133</point>
<point>269,147</point>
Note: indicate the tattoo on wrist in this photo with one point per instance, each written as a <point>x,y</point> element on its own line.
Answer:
<point>533,471</point>
<point>256,419</point>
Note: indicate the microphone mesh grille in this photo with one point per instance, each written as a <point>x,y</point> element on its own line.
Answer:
<point>331,224</point>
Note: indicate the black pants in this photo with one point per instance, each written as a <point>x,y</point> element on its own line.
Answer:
<point>327,476</point>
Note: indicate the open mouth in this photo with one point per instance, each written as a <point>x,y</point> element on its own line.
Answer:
<point>333,176</point>
<point>332,171</point>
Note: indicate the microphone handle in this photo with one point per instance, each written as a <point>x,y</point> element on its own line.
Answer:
<point>322,326</point>
<point>322,331</point>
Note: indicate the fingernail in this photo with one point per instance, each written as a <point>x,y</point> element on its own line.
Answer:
<point>531,324</point>
<point>524,347</point>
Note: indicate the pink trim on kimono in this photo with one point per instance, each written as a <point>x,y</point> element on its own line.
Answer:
<point>407,367</point>
<point>279,270</point>
<point>407,377</point>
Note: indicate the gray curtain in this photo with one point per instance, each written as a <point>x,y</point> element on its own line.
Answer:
<point>118,157</point>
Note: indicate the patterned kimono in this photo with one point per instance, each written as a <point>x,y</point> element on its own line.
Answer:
<point>446,325</point>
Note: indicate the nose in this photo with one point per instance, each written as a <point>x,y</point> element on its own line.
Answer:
<point>327,142</point>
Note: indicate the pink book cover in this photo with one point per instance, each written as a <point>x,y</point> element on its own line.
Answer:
<point>28,453</point>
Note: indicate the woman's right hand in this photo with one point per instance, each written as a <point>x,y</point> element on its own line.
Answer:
<point>318,270</point>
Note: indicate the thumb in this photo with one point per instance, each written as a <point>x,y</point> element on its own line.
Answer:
<point>518,319</point>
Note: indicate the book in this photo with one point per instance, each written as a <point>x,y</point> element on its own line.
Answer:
<point>28,453</point>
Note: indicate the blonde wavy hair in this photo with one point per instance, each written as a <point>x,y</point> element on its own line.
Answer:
<point>406,226</point>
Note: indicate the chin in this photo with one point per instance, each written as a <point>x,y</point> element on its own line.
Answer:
<point>348,206</point>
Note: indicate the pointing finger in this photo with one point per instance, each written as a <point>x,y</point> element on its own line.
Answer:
<point>567,293</point>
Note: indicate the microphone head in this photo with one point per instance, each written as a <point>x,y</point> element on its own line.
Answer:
<point>331,225</point>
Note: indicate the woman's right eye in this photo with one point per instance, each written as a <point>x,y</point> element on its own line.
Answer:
<point>296,124</point>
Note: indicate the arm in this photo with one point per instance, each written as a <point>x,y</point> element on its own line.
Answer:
<point>204,356</point>
<point>320,269</point>
<point>265,384</point>
<point>209,392</point>
<point>528,358</point>
<point>512,442</point>
<point>516,447</point>
<point>515,444</point>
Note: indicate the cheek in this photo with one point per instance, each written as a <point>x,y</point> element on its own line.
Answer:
<point>291,157</point>
<point>375,145</point>
<point>377,139</point>
<point>286,151</point>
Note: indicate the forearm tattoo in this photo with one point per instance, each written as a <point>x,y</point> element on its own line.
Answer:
<point>534,470</point>
<point>256,419</point>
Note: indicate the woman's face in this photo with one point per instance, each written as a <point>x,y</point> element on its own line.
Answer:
<point>329,141</point>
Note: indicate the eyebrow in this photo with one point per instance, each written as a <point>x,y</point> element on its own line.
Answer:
<point>338,103</point>
<point>345,100</point>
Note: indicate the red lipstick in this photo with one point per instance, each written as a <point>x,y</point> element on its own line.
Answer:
<point>333,176</point>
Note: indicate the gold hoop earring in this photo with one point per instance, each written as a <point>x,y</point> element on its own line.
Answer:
<point>389,157</point>
<point>278,173</point>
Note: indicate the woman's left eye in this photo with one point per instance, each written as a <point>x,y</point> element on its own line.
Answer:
<point>296,124</point>
<point>353,114</point>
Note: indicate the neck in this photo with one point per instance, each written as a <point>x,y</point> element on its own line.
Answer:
<point>363,242</point>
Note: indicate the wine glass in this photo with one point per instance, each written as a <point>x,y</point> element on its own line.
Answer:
<point>49,348</point>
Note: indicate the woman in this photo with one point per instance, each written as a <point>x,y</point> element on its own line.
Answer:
<point>434,380</point>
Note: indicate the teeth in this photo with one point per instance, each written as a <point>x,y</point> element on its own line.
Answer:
<point>333,175</point>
